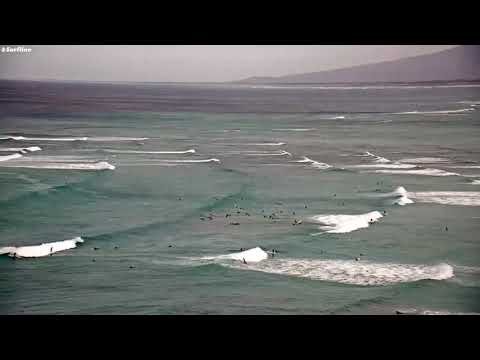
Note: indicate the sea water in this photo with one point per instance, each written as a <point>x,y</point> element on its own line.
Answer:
<point>180,193</point>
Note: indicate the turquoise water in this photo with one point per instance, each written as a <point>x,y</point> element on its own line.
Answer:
<point>132,214</point>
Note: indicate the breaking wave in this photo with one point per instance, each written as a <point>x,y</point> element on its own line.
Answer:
<point>22,150</point>
<point>335,223</point>
<point>101,165</point>
<point>10,157</point>
<point>40,250</point>
<point>362,273</point>
<point>427,172</point>
<point>82,138</point>
<point>190,151</point>
<point>313,163</point>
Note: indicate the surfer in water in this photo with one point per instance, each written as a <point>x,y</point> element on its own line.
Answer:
<point>244,261</point>
<point>51,251</point>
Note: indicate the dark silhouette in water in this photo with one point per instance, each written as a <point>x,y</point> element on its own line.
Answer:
<point>244,261</point>
<point>446,228</point>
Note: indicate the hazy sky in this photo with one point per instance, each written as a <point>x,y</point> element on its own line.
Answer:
<point>192,63</point>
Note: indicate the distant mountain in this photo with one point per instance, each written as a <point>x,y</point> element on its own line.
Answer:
<point>458,63</point>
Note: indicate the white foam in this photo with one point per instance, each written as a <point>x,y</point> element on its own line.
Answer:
<point>465,198</point>
<point>313,163</point>
<point>250,256</point>
<point>435,112</point>
<point>338,117</point>
<point>190,151</point>
<point>41,250</point>
<point>363,273</point>
<point>101,165</point>
<point>425,160</point>
<point>10,157</point>
<point>427,172</point>
<point>22,150</point>
<point>335,223</point>
<point>475,182</point>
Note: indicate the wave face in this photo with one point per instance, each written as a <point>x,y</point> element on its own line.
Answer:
<point>345,223</point>
<point>101,165</point>
<point>426,172</point>
<point>22,150</point>
<point>465,198</point>
<point>41,250</point>
<point>313,163</point>
<point>350,272</point>
<point>82,138</point>
<point>10,157</point>
<point>424,160</point>
<point>190,151</point>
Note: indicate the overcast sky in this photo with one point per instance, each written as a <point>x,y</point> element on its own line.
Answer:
<point>192,63</point>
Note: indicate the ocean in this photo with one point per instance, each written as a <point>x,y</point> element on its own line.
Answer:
<point>239,199</point>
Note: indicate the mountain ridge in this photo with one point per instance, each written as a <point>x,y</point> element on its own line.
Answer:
<point>461,63</point>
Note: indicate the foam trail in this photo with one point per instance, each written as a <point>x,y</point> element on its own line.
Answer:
<point>102,165</point>
<point>190,151</point>
<point>360,273</point>
<point>427,172</point>
<point>22,150</point>
<point>10,157</point>
<point>345,223</point>
<point>41,250</point>
<point>338,117</point>
<point>475,182</point>
<point>424,160</point>
<point>463,198</point>
<point>313,163</point>
<point>435,112</point>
